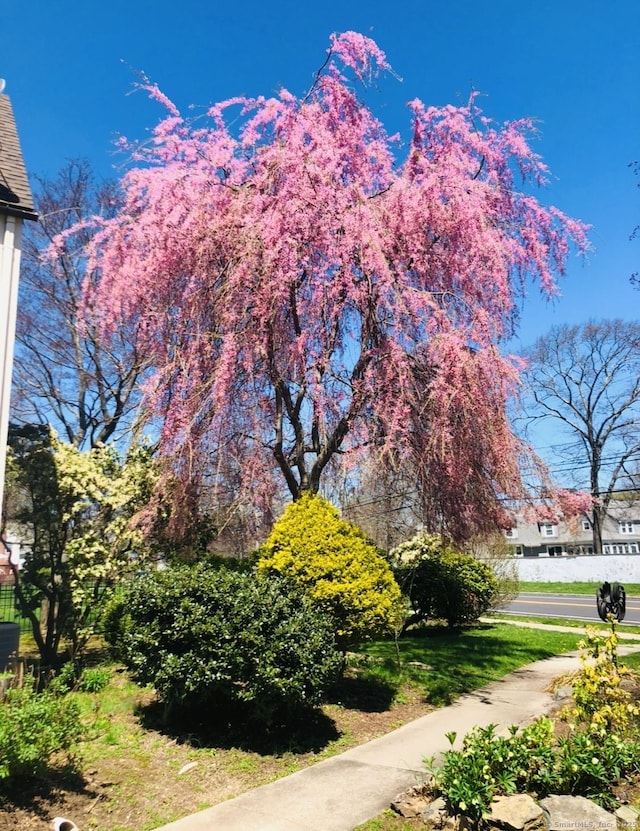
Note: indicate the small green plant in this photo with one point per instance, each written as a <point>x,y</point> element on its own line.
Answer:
<point>65,679</point>
<point>35,730</point>
<point>94,680</point>
<point>599,749</point>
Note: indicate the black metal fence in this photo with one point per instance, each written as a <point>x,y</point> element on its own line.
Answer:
<point>8,611</point>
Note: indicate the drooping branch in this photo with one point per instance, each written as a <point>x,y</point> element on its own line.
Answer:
<point>287,274</point>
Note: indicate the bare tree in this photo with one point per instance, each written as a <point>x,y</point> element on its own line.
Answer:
<point>586,379</point>
<point>384,503</point>
<point>64,374</point>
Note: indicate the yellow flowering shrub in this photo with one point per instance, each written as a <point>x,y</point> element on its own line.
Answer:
<point>335,564</point>
<point>600,701</point>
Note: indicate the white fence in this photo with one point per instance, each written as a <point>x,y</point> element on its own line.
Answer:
<point>593,568</point>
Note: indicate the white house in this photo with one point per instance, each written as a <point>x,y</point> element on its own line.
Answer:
<point>16,205</point>
<point>563,551</point>
<point>620,534</point>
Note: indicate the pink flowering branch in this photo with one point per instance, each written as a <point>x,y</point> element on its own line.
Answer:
<point>308,296</point>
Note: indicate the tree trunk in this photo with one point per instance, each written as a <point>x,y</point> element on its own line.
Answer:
<point>598,517</point>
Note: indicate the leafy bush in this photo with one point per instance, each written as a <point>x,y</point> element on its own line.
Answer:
<point>601,703</point>
<point>35,728</point>
<point>442,583</point>
<point>599,749</point>
<point>76,507</point>
<point>213,637</point>
<point>334,564</point>
<point>532,760</point>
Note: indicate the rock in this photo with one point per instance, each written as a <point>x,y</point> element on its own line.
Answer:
<point>575,813</point>
<point>628,818</point>
<point>412,803</point>
<point>411,806</point>
<point>563,693</point>
<point>435,814</point>
<point>517,813</point>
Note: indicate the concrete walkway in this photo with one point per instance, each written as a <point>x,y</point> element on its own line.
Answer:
<point>340,793</point>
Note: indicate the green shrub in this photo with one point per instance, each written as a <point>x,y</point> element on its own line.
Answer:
<point>211,637</point>
<point>35,730</point>
<point>64,680</point>
<point>442,583</point>
<point>334,564</point>
<point>115,624</point>
<point>532,760</point>
<point>600,748</point>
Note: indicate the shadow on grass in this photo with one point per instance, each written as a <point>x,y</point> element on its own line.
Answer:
<point>368,694</point>
<point>446,663</point>
<point>225,728</point>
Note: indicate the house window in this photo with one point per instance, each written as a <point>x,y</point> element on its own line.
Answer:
<point>580,550</point>
<point>511,533</point>
<point>586,525</point>
<point>547,529</point>
<point>554,550</point>
<point>518,551</point>
<point>622,548</point>
<point>625,527</point>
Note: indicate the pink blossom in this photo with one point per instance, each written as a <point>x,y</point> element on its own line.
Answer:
<point>307,295</point>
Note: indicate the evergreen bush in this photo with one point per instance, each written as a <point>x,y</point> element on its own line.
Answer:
<point>336,566</point>
<point>212,637</point>
<point>442,583</point>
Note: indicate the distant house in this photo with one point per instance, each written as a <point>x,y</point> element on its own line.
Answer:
<point>620,534</point>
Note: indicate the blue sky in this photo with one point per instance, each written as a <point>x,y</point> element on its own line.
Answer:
<point>572,64</point>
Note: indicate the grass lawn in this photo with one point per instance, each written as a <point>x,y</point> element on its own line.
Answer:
<point>444,665</point>
<point>138,772</point>
<point>632,589</point>
<point>625,628</point>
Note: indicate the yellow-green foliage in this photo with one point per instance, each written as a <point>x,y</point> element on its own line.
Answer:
<point>334,563</point>
<point>601,703</point>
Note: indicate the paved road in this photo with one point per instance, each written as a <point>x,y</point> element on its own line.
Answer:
<point>571,606</point>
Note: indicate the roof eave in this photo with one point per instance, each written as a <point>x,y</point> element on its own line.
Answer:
<point>22,213</point>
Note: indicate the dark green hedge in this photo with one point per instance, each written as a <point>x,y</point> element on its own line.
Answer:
<point>213,637</point>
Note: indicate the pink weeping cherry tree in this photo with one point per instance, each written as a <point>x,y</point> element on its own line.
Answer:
<point>312,292</point>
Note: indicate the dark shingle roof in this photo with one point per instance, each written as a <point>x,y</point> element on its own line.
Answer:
<point>15,193</point>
